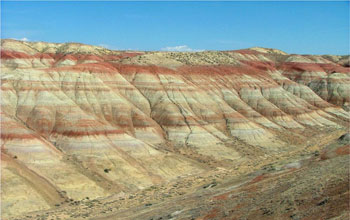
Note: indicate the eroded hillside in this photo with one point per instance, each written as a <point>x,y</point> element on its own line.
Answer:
<point>83,122</point>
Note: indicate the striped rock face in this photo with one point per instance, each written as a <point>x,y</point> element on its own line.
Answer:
<point>82,121</point>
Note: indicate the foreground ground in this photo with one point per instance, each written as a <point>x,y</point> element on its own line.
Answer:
<point>313,184</point>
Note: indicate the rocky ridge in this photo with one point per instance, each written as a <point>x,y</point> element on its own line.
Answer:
<point>83,121</point>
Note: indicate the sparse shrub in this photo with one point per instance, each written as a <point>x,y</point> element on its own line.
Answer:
<point>106,170</point>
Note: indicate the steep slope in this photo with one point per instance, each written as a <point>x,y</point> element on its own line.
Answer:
<point>83,121</point>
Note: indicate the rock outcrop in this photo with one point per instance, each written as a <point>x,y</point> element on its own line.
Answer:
<point>82,121</point>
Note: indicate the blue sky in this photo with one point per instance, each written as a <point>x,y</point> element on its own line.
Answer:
<point>295,27</point>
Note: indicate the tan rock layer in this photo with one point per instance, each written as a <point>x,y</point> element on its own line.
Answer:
<point>92,122</point>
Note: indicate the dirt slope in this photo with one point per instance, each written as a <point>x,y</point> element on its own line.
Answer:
<point>81,121</point>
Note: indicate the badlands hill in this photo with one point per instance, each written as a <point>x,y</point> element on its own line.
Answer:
<point>89,132</point>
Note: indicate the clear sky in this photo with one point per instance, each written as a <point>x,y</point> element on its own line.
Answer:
<point>295,27</point>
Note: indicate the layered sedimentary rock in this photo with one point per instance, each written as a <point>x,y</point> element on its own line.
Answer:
<point>83,121</point>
